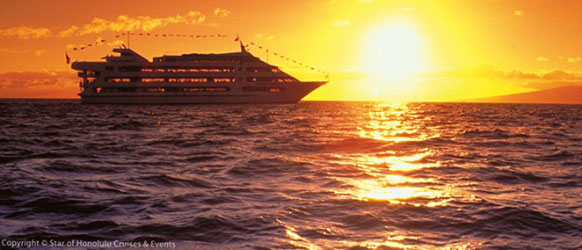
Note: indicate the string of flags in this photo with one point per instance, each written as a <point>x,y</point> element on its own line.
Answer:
<point>121,35</point>
<point>286,58</point>
<point>82,47</point>
<point>173,35</point>
<point>101,41</point>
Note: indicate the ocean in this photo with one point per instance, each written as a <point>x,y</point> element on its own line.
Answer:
<point>313,175</point>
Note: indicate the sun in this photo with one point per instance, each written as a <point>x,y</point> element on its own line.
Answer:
<point>394,51</point>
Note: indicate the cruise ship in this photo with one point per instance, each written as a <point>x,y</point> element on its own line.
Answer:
<point>238,77</point>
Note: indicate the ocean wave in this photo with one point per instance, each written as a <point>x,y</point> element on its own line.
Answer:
<point>293,176</point>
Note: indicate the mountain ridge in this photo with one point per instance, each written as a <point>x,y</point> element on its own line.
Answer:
<point>560,95</point>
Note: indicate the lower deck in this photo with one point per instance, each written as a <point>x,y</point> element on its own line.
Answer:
<point>280,93</point>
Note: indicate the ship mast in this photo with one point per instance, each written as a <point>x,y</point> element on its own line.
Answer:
<point>128,39</point>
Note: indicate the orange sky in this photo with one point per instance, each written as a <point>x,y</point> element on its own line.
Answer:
<point>374,50</point>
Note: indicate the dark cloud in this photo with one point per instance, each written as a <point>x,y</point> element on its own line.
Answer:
<point>544,80</point>
<point>34,79</point>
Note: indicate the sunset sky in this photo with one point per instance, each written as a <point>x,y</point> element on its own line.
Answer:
<point>378,50</point>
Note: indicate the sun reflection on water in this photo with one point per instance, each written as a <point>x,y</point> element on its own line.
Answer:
<point>399,163</point>
<point>387,123</point>
<point>389,174</point>
<point>393,170</point>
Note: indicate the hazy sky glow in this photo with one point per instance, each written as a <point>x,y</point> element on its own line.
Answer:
<point>374,50</point>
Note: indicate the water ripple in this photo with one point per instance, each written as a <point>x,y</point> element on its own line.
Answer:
<point>316,175</point>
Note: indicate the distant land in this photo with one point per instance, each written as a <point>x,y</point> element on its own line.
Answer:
<point>560,95</point>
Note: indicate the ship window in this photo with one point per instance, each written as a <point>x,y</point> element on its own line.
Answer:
<point>260,69</point>
<point>268,79</point>
<point>215,89</point>
<point>127,89</point>
<point>130,69</point>
<point>172,90</point>
<point>152,80</point>
<point>224,79</point>
<point>198,80</point>
<point>263,89</point>
<point>118,80</point>
<point>160,70</point>
<point>155,89</point>
<point>191,89</point>
<point>146,70</point>
<point>211,70</point>
<point>206,89</point>
<point>187,79</point>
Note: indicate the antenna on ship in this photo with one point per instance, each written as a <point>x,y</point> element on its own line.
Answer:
<point>242,47</point>
<point>128,39</point>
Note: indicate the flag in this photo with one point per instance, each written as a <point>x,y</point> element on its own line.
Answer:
<point>67,58</point>
<point>237,38</point>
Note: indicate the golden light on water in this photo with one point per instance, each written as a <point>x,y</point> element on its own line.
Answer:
<point>387,123</point>
<point>376,190</point>
<point>296,239</point>
<point>401,163</point>
<point>389,172</point>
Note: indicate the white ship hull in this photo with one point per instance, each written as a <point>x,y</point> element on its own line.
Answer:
<point>292,94</point>
<point>237,77</point>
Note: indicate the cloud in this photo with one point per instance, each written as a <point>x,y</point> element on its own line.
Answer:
<point>562,76</point>
<point>340,23</point>
<point>97,41</point>
<point>12,51</point>
<point>39,52</point>
<point>25,32</point>
<point>36,78</point>
<point>115,43</point>
<point>261,36</point>
<point>491,72</point>
<point>518,13</point>
<point>542,59</point>
<point>39,84</point>
<point>574,59</point>
<point>540,80</point>
<point>69,32</point>
<point>125,23</point>
<point>122,23</point>
<point>221,12</point>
